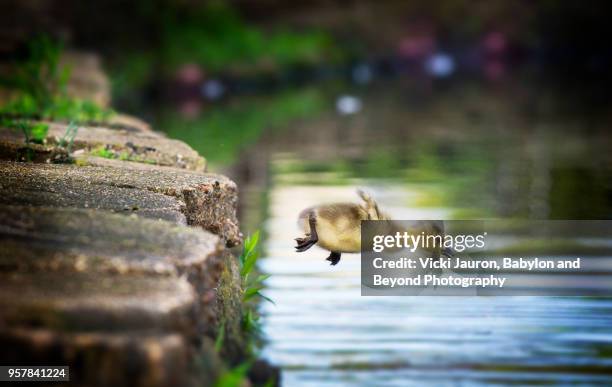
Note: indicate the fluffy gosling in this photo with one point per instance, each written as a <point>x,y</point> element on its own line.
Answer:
<point>337,227</point>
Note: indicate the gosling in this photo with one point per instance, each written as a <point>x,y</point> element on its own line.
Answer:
<point>337,227</point>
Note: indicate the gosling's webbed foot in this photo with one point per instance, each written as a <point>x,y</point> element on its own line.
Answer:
<point>304,244</point>
<point>301,241</point>
<point>334,258</point>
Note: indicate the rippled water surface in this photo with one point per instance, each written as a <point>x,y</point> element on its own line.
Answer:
<point>323,333</point>
<point>459,153</point>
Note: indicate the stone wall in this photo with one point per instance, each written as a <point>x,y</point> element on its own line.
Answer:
<point>118,267</point>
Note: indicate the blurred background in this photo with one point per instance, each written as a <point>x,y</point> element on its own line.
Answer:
<point>449,109</point>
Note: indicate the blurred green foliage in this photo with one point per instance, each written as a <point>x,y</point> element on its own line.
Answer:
<point>39,76</point>
<point>215,37</point>
<point>222,132</point>
<point>40,86</point>
<point>458,176</point>
<point>55,107</point>
<point>235,377</point>
<point>32,132</point>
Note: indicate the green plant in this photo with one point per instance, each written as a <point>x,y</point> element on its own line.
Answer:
<point>39,76</point>
<point>234,377</point>
<point>32,132</point>
<point>67,140</point>
<point>63,107</point>
<point>230,129</point>
<point>248,259</point>
<point>103,152</point>
<point>41,85</point>
<point>252,287</point>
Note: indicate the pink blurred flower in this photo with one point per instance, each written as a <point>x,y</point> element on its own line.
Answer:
<point>495,43</point>
<point>190,73</point>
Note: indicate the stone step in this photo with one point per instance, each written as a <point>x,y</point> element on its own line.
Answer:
<point>39,191</point>
<point>127,122</point>
<point>97,301</point>
<point>130,142</point>
<point>205,200</point>
<point>122,300</point>
<point>88,246</point>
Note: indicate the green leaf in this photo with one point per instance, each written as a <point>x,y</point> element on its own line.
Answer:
<point>266,298</point>
<point>243,256</point>
<point>261,278</point>
<point>251,292</point>
<point>249,263</point>
<point>251,242</point>
<point>234,377</point>
<point>251,323</point>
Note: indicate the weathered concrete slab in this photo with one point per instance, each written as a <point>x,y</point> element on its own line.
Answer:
<point>70,240</point>
<point>65,192</point>
<point>97,301</point>
<point>129,143</point>
<point>205,200</point>
<point>127,122</point>
<point>41,246</point>
<point>141,146</point>
<point>36,153</point>
<point>83,285</point>
<point>99,287</point>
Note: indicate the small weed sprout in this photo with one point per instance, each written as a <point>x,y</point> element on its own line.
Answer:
<point>252,287</point>
<point>32,132</point>
<point>103,152</point>
<point>236,376</point>
<point>67,140</point>
<point>248,259</point>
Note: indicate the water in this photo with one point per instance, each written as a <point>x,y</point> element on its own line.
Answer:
<point>424,151</point>
<point>443,158</point>
<point>323,333</point>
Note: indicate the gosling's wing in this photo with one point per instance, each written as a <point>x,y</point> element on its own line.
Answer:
<point>370,206</point>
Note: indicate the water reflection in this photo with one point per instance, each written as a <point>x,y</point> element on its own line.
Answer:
<point>479,151</point>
